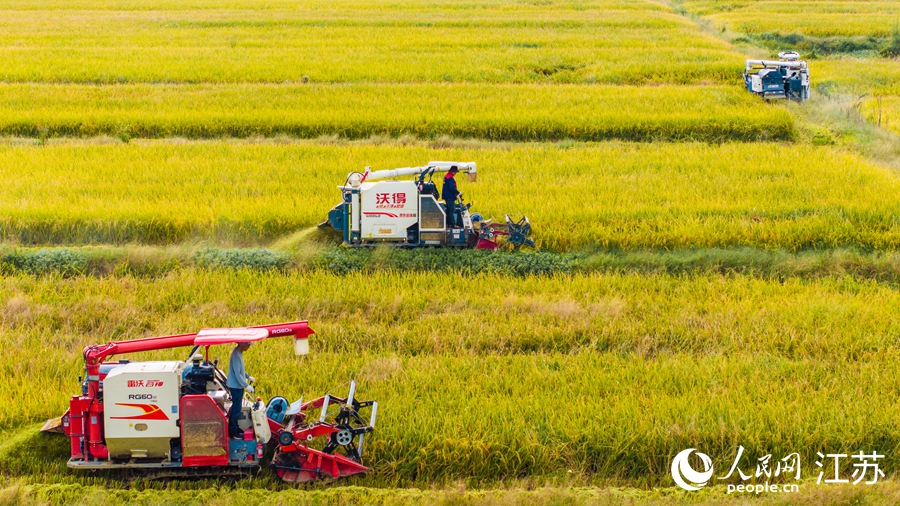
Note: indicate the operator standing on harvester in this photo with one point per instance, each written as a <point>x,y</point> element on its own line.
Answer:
<point>450,193</point>
<point>237,381</point>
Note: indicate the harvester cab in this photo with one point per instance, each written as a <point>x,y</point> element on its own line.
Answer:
<point>169,417</point>
<point>377,208</point>
<point>786,78</point>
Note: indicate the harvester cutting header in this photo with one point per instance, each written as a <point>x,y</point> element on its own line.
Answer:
<point>169,417</point>
<point>376,208</point>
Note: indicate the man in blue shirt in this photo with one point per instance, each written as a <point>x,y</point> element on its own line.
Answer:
<point>237,381</point>
<point>450,193</point>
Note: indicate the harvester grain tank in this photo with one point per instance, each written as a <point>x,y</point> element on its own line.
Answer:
<point>787,77</point>
<point>168,418</point>
<point>378,208</point>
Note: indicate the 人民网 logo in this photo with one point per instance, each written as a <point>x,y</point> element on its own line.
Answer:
<point>685,476</point>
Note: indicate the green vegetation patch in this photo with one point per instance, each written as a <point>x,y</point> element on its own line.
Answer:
<point>63,261</point>
<point>255,258</point>
<point>813,47</point>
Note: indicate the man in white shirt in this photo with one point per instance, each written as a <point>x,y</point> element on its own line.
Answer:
<point>237,381</point>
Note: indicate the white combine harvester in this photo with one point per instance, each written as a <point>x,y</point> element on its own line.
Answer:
<point>785,78</point>
<point>377,208</point>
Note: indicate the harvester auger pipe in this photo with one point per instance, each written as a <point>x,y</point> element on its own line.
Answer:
<point>169,416</point>
<point>97,353</point>
<point>431,168</point>
<point>378,209</point>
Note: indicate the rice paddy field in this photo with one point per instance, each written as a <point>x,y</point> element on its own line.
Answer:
<point>884,112</point>
<point>711,271</point>
<point>816,18</point>
<point>498,113</point>
<point>496,42</point>
<point>856,44</point>
<point>582,197</point>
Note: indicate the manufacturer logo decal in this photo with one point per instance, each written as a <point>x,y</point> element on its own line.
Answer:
<point>144,383</point>
<point>390,200</point>
<point>150,412</point>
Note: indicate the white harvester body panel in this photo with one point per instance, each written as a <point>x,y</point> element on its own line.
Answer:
<point>141,408</point>
<point>389,208</point>
<point>260,423</point>
<point>756,83</point>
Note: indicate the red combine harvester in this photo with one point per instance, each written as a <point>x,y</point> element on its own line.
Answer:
<point>169,417</point>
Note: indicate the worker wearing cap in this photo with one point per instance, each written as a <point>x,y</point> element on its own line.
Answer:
<point>450,193</point>
<point>237,381</point>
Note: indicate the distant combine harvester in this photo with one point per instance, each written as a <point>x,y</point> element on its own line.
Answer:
<point>786,78</point>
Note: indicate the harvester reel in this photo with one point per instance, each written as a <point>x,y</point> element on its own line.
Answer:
<point>346,438</point>
<point>519,232</point>
<point>299,462</point>
<point>351,426</point>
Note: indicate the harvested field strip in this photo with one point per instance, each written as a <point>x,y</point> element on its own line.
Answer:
<point>884,494</point>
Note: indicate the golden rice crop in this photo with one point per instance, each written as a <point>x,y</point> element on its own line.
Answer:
<point>883,111</point>
<point>360,6</point>
<point>861,76</point>
<point>416,41</point>
<point>608,418</point>
<point>413,313</point>
<point>692,355</point>
<point>579,379</point>
<point>502,112</point>
<point>612,195</point>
